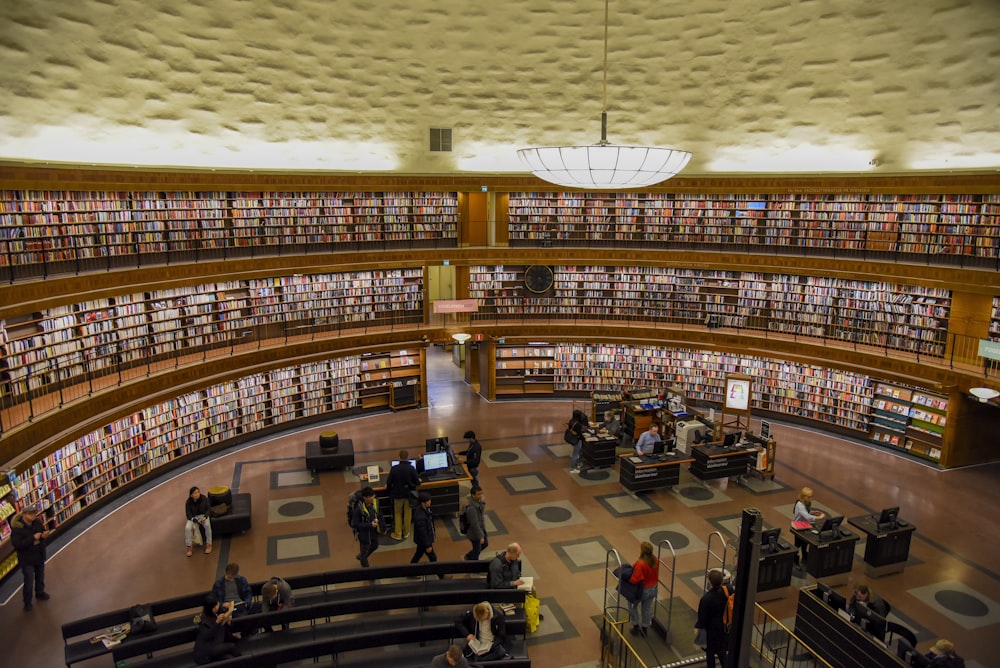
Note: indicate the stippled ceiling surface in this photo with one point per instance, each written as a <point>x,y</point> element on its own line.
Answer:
<point>755,86</point>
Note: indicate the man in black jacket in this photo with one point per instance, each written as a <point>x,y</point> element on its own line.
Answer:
<point>366,524</point>
<point>473,455</point>
<point>505,569</point>
<point>485,629</point>
<point>710,611</point>
<point>423,530</point>
<point>402,480</point>
<point>28,536</point>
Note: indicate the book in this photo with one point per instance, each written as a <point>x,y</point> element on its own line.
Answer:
<point>527,583</point>
<point>802,524</point>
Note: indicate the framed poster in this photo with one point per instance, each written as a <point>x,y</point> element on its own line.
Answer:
<point>737,393</point>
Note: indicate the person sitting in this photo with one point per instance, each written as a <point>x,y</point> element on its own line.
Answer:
<point>485,630</point>
<point>453,657</point>
<point>215,639</point>
<point>233,588</point>
<point>942,655</point>
<point>276,594</point>
<point>611,424</point>
<point>648,440</point>
<point>196,510</point>
<point>505,569</point>
<point>864,594</point>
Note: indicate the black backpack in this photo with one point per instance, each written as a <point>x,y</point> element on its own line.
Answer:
<point>141,619</point>
<point>463,521</point>
<point>354,499</point>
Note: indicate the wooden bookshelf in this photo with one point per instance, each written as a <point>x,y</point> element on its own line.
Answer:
<point>524,369</point>
<point>56,231</point>
<point>8,506</point>
<point>995,320</point>
<point>909,419</point>
<point>876,313</point>
<point>108,459</point>
<point>938,226</point>
<point>64,345</point>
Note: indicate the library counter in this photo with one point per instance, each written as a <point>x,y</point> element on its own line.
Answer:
<point>443,488</point>
<point>599,450</point>
<point>715,461</point>
<point>829,559</point>
<point>886,548</point>
<point>648,472</point>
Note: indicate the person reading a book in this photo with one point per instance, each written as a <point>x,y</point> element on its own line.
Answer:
<point>505,569</point>
<point>485,631</point>
<point>233,588</point>
<point>648,440</point>
<point>215,639</point>
<point>803,513</point>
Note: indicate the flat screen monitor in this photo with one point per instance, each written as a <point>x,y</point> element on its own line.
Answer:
<point>435,460</point>
<point>870,621</point>
<point>769,540</point>
<point>659,447</point>
<point>889,518</point>
<point>732,439</point>
<point>830,527</point>
<point>836,601</point>
<point>438,444</point>
<point>413,462</point>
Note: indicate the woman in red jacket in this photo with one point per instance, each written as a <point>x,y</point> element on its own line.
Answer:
<point>645,571</point>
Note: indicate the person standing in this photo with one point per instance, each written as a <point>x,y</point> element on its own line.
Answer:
<point>473,455</point>
<point>711,609</point>
<point>802,512</point>
<point>423,530</point>
<point>574,436</point>
<point>453,657</point>
<point>402,480</point>
<point>27,535</point>
<point>366,524</point>
<point>475,516</point>
<point>646,573</point>
<point>196,510</point>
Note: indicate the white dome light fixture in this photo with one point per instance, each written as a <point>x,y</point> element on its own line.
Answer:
<point>603,165</point>
<point>461,337</point>
<point>984,394</point>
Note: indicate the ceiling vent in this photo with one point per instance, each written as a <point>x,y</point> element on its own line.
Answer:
<point>440,139</point>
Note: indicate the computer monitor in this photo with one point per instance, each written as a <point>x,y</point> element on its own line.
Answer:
<point>731,439</point>
<point>836,601</point>
<point>438,444</point>
<point>889,518</point>
<point>830,528</point>
<point>872,622</point>
<point>823,591</point>
<point>413,462</point>
<point>435,460</point>
<point>659,447</point>
<point>769,540</point>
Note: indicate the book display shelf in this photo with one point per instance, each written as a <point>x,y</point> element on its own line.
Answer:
<point>829,396</point>
<point>525,369</point>
<point>46,232</point>
<point>8,558</point>
<point>390,380</point>
<point>965,226</point>
<point>995,320</point>
<point>43,351</point>
<point>877,313</point>
<point>909,419</point>
<point>100,463</point>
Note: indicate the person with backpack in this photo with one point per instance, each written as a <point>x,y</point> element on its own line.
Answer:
<point>401,482</point>
<point>473,519</point>
<point>646,573</point>
<point>711,618</point>
<point>366,524</point>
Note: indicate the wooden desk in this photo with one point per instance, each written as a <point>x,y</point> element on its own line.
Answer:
<point>599,450</point>
<point>829,559</point>
<point>886,549</point>
<point>650,472</point>
<point>713,461</point>
<point>836,639</point>
<point>443,489</point>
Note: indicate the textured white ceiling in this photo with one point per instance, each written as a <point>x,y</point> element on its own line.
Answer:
<point>771,85</point>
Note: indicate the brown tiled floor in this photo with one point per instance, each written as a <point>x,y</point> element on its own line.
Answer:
<point>136,553</point>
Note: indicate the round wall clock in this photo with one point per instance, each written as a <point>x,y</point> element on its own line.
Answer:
<point>538,278</point>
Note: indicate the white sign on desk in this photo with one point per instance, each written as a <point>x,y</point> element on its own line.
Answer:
<point>373,473</point>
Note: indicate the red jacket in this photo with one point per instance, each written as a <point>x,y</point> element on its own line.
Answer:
<point>644,573</point>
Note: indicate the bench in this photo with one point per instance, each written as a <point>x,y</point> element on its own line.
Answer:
<point>320,638</point>
<point>320,459</point>
<point>237,520</point>
<point>308,589</point>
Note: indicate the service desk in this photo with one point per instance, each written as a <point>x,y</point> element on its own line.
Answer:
<point>774,572</point>
<point>442,487</point>
<point>835,638</point>
<point>886,548</point>
<point>713,461</point>
<point>830,559</point>
<point>648,472</point>
<point>599,450</point>
<point>320,459</point>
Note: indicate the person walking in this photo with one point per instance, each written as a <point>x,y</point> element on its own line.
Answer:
<point>423,530</point>
<point>366,523</point>
<point>475,517</point>
<point>711,609</point>
<point>28,534</point>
